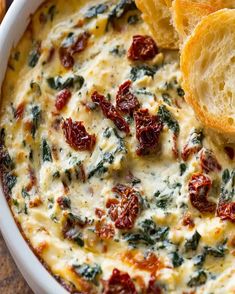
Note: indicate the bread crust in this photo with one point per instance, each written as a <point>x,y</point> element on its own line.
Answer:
<point>207,63</point>
<point>157,14</point>
<point>188,13</point>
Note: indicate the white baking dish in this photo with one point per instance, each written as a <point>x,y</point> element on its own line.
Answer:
<point>39,279</point>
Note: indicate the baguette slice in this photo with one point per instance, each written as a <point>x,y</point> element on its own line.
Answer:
<point>188,13</point>
<point>2,9</point>
<point>208,69</point>
<point>157,15</point>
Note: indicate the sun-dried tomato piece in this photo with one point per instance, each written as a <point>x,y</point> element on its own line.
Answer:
<point>128,209</point>
<point>104,231</point>
<point>110,112</point>
<point>188,221</point>
<point>175,146</point>
<point>153,286</point>
<point>129,214</point>
<point>76,135</point>
<point>99,212</point>
<point>149,262</point>
<point>148,129</point>
<point>33,179</point>
<point>112,205</point>
<point>120,283</point>
<point>226,211</point>
<point>62,99</point>
<point>199,187</point>
<point>142,48</point>
<point>208,161</point>
<point>80,44</point>
<point>230,152</point>
<point>18,114</point>
<point>126,101</point>
<point>66,58</point>
<point>66,53</point>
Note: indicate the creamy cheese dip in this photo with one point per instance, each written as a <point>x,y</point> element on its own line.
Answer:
<point>64,199</point>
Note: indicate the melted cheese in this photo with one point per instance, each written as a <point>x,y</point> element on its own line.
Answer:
<point>104,67</point>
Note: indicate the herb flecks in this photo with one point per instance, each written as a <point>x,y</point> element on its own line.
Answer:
<point>168,119</point>
<point>192,244</point>
<point>46,151</point>
<point>94,11</point>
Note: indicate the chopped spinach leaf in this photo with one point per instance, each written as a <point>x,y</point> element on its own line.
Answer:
<point>107,133</point>
<point>94,11</point>
<point>46,151</point>
<point>177,260</point>
<point>147,234</point>
<point>183,168</point>
<point>196,138</point>
<point>6,160</point>
<point>192,244</point>
<point>68,41</point>
<point>100,168</point>
<point>197,279</point>
<point>218,251</point>
<point>36,113</point>
<point>226,176</point>
<point>141,71</point>
<point>2,136</point>
<point>168,119</point>
<point>162,200</point>
<point>56,175</point>
<point>68,175</point>
<point>24,193</point>
<point>199,260</point>
<point>121,8</point>
<point>88,272</point>
<point>166,98</point>
<point>118,51</point>
<point>228,186</point>
<point>143,91</point>
<point>34,54</point>
<point>58,83</point>
<point>15,203</point>
<point>25,209</point>
<point>78,239</point>
<point>10,181</point>
<point>121,146</point>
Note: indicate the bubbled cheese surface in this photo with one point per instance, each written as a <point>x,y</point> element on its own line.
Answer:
<point>104,66</point>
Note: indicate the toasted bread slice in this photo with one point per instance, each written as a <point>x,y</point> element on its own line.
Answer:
<point>188,13</point>
<point>2,9</point>
<point>157,15</point>
<point>208,69</point>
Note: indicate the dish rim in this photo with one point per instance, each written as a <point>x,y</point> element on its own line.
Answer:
<point>37,276</point>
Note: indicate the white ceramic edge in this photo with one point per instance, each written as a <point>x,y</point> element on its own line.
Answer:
<point>38,278</point>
